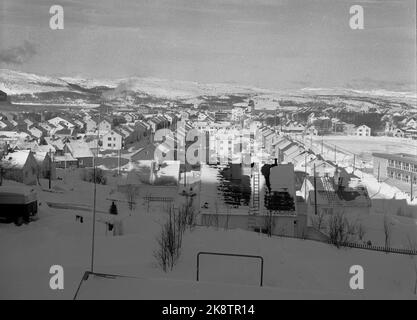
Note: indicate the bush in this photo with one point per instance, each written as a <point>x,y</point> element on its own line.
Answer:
<point>340,230</point>
<point>100,175</point>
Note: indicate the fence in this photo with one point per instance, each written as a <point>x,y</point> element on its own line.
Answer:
<point>409,252</point>
<point>377,248</point>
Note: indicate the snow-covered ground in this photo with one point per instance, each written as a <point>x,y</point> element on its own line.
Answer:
<point>294,267</point>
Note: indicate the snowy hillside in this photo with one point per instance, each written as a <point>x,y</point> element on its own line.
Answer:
<point>293,268</point>
<point>13,83</point>
<point>16,83</point>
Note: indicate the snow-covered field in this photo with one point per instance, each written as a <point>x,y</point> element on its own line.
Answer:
<point>297,267</point>
<point>365,146</point>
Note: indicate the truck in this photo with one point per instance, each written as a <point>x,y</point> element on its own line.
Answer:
<point>18,204</point>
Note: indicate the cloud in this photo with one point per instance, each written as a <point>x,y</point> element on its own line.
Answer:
<point>18,54</point>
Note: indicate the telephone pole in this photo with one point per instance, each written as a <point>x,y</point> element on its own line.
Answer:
<point>50,169</point>
<point>315,191</point>
<point>354,163</point>
<point>95,195</point>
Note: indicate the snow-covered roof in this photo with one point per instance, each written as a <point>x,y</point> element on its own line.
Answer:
<point>79,149</point>
<point>15,160</point>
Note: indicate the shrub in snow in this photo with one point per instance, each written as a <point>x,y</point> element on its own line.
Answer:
<point>340,229</point>
<point>88,176</point>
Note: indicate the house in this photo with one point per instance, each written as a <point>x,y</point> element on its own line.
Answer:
<point>3,124</point>
<point>112,140</point>
<point>48,127</point>
<point>296,128</point>
<point>363,131</point>
<point>139,131</point>
<point>145,153</point>
<point>59,120</point>
<point>397,132</point>
<point>410,133</point>
<point>65,161</point>
<point>28,122</point>
<point>129,117</point>
<point>37,132</point>
<point>46,167</point>
<point>90,124</point>
<point>57,144</point>
<point>328,196</point>
<point>412,123</point>
<point>104,126</point>
<point>399,167</point>
<point>20,166</point>
<point>80,151</point>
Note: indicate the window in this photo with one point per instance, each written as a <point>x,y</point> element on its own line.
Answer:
<point>109,139</point>
<point>109,145</point>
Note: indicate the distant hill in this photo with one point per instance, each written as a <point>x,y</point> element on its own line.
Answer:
<point>30,88</point>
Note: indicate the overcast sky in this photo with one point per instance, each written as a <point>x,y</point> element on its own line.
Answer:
<point>267,43</point>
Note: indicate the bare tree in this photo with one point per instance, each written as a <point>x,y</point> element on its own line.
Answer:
<point>412,246</point>
<point>387,231</point>
<point>361,232</point>
<point>269,223</point>
<point>169,243</point>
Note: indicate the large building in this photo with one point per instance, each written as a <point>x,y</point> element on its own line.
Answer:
<point>400,167</point>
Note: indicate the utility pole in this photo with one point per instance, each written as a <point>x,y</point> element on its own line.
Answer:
<point>411,187</point>
<point>118,162</point>
<point>315,191</point>
<point>95,197</point>
<point>305,176</point>
<point>335,153</point>
<point>50,169</point>
<point>322,145</point>
<point>354,163</point>
<point>379,171</point>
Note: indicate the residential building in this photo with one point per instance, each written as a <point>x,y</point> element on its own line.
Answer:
<point>20,166</point>
<point>363,131</point>
<point>400,167</point>
<point>112,140</point>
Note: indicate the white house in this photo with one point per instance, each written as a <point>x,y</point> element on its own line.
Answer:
<point>36,132</point>
<point>58,120</point>
<point>363,131</point>
<point>112,140</point>
<point>91,125</point>
<point>20,166</point>
<point>104,126</point>
<point>412,123</point>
